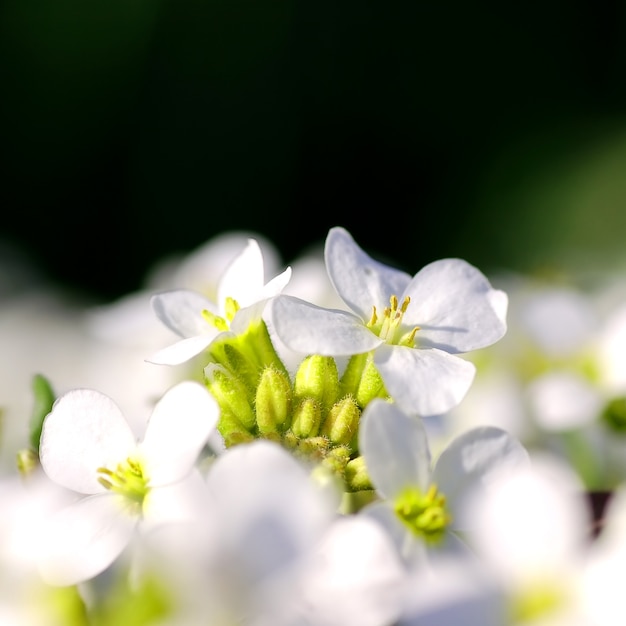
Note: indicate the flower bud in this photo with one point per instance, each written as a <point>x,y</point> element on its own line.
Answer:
<point>232,430</point>
<point>306,419</point>
<point>273,401</point>
<point>231,395</point>
<point>370,386</point>
<point>356,475</point>
<point>342,421</point>
<point>317,378</point>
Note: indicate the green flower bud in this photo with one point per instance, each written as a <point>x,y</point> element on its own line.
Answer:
<point>232,430</point>
<point>313,448</point>
<point>307,418</point>
<point>273,401</point>
<point>228,354</point>
<point>317,377</point>
<point>337,459</point>
<point>356,475</point>
<point>370,386</point>
<point>342,421</point>
<point>231,395</point>
<point>257,344</point>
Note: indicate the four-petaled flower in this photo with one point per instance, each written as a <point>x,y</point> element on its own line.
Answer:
<point>87,446</point>
<point>422,504</point>
<point>241,297</point>
<point>414,326</point>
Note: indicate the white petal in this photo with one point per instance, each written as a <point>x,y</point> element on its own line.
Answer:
<point>177,430</point>
<point>395,448</point>
<point>84,539</point>
<point>306,328</point>
<point>564,400</point>
<point>84,431</point>
<point>410,548</point>
<point>354,577</point>
<point>244,278</point>
<point>455,307</point>
<point>509,522</point>
<point>182,351</point>
<point>359,280</point>
<point>183,501</point>
<point>181,311</point>
<point>473,461</point>
<point>424,382</point>
<point>277,284</point>
<point>244,317</point>
<point>270,509</point>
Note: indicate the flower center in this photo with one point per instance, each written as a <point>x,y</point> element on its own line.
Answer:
<point>424,513</point>
<point>127,479</point>
<point>231,306</point>
<point>389,326</point>
<point>535,601</point>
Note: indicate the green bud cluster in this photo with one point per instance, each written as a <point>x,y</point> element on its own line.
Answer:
<point>315,415</point>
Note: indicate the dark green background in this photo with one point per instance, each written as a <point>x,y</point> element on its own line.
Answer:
<point>136,128</point>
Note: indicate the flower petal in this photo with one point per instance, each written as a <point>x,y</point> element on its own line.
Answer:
<point>412,550</point>
<point>177,430</point>
<point>276,285</point>
<point>360,281</point>
<point>474,460</point>
<point>181,311</point>
<point>84,431</point>
<point>354,576</point>
<point>424,382</point>
<point>244,278</point>
<point>455,307</point>
<point>83,539</point>
<point>182,351</point>
<point>386,433</point>
<point>182,501</point>
<point>306,328</point>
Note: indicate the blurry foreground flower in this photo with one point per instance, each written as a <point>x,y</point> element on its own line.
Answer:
<point>88,447</point>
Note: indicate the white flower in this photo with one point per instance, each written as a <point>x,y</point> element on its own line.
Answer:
<point>265,515</point>
<point>87,446</point>
<point>533,532</point>
<point>354,576</point>
<point>241,297</point>
<point>423,505</point>
<point>415,326</point>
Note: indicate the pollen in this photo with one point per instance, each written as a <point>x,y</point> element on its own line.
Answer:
<point>425,514</point>
<point>389,326</point>
<point>128,479</point>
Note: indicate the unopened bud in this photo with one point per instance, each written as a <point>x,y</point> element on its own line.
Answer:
<point>273,401</point>
<point>317,377</point>
<point>356,475</point>
<point>231,394</point>
<point>342,421</point>
<point>306,419</point>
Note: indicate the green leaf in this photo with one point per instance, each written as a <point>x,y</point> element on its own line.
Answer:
<point>44,399</point>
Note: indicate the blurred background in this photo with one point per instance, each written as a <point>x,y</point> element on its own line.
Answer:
<point>135,129</point>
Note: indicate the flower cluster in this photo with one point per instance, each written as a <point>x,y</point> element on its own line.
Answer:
<point>307,457</point>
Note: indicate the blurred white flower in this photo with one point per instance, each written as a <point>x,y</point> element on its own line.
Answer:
<point>87,446</point>
<point>423,506</point>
